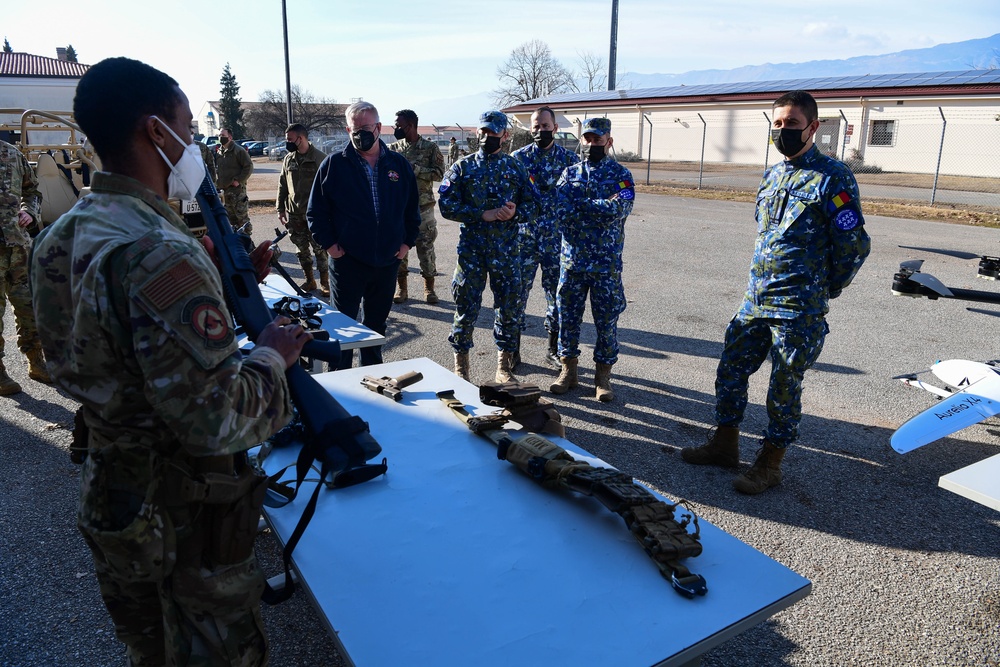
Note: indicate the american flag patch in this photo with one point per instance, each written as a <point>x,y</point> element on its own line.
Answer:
<point>172,284</point>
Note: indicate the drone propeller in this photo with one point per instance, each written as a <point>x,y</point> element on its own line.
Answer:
<point>960,254</point>
<point>911,265</point>
<point>930,282</point>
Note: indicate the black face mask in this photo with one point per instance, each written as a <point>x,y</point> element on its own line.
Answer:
<point>399,133</point>
<point>491,145</point>
<point>788,142</point>
<point>291,146</point>
<point>595,153</point>
<point>363,140</point>
<point>543,138</point>
<point>223,140</point>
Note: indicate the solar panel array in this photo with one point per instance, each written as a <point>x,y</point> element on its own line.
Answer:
<point>967,78</point>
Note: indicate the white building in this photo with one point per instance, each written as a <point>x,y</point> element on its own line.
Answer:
<point>36,82</point>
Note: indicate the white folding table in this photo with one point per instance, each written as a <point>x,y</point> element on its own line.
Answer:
<point>979,482</point>
<point>457,558</point>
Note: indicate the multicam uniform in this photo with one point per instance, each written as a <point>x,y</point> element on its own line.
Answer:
<point>233,163</point>
<point>540,239</point>
<point>133,322</point>
<point>811,242</point>
<point>298,171</point>
<point>18,192</point>
<point>592,203</point>
<point>428,166</point>
<point>454,152</point>
<point>475,184</point>
<point>209,159</point>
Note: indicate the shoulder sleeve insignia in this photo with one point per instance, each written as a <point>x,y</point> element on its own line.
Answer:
<point>172,284</point>
<point>838,202</point>
<point>847,219</point>
<point>445,184</point>
<point>625,189</point>
<point>206,318</point>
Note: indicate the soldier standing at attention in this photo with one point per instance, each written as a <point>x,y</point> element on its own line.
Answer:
<point>540,239</point>
<point>488,193</point>
<point>454,152</point>
<point>428,166</point>
<point>132,317</point>
<point>811,241</point>
<point>298,171</point>
<point>593,200</point>
<point>234,166</point>
<point>20,205</point>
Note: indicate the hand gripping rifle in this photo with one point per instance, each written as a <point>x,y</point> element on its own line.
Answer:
<point>339,441</point>
<point>650,520</point>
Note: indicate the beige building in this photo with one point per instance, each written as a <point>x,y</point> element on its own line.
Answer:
<point>36,82</point>
<point>897,122</point>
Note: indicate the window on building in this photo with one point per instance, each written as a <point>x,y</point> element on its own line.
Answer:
<point>883,133</point>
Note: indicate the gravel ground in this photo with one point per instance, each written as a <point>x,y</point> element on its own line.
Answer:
<point>904,573</point>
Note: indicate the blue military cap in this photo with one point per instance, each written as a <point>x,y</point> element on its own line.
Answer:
<point>494,121</point>
<point>598,126</point>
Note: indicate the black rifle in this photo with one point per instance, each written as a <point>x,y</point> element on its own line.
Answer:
<point>339,441</point>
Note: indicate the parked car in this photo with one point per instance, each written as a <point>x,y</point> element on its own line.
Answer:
<point>277,151</point>
<point>331,146</point>
<point>567,140</point>
<point>256,148</point>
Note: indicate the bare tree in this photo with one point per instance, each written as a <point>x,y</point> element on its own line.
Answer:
<point>592,74</point>
<point>269,117</point>
<point>531,72</point>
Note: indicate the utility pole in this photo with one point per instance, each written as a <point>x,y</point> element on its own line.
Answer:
<point>288,76</point>
<point>612,58</point>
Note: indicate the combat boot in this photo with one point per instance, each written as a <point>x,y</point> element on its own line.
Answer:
<point>401,293</point>
<point>602,383</point>
<point>36,366</point>
<point>764,473</point>
<point>553,354</point>
<point>505,367</point>
<point>310,283</point>
<point>567,376</point>
<point>722,449</point>
<point>515,358</point>
<point>324,281</point>
<point>462,365</point>
<point>7,386</point>
<point>429,295</point>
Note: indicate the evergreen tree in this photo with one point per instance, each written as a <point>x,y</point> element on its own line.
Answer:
<point>6,46</point>
<point>71,54</point>
<point>229,105</point>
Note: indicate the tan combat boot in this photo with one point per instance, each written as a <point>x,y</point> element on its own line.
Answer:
<point>462,365</point>
<point>429,295</point>
<point>36,367</point>
<point>7,386</point>
<point>764,473</point>
<point>324,281</point>
<point>515,356</point>
<point>567,376</point>
<point>505,367</point>
<point>722,449</point>
<point>602,383</point>
<point>401,293</point>
<point>310,283</point>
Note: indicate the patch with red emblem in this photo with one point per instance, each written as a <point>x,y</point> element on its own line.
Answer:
<point>393,175</point>
<point>206,318</point>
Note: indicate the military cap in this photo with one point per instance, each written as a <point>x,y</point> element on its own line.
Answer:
<point>494,121</point>
<point>598,126</point>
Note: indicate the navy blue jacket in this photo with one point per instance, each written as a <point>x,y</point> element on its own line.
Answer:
<point>341,210</point>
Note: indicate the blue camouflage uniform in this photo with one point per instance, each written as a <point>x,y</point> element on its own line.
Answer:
<point>811,242</point>
<point>474,184</point>
<point>539,240</point>
<point>592,204</point>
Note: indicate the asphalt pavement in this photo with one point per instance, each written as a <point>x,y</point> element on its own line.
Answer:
<point>904,573</point>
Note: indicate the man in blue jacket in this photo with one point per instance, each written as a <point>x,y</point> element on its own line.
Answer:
<point>363,209</point>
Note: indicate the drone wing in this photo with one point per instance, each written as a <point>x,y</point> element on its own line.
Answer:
<point>953,413</point>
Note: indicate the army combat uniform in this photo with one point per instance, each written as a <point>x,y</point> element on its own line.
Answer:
<point>233,163</point>
<point>18,192</point>
<point>540,239</point>
<point>428,166</point>
<point>132,317</point>
<point>298,171</point>
<point>475,184</point>
<point>454,152</point>
<point>209,159</point>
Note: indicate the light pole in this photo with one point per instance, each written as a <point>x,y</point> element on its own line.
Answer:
<point>288,76</point>
<point>613,57</point>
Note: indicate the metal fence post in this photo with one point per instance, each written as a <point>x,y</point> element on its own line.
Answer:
<point>704,131</point>
<point>843,145</point>
<point>767,146</point>
<point>649,150</point>
<point>937,169</point>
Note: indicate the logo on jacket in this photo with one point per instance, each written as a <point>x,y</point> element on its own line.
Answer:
<point>393,175</point>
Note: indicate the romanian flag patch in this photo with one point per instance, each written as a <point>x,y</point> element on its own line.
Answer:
<point>840,201</point>
<point>625,184</point>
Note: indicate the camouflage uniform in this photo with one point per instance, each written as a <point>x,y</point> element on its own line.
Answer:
<point>233,163</point>
<point>428,166</point>
<point>454,152</point>
<point>475,184</point>
<point>811,242</point>
<point>132,318</point>
<point>209,158</point>
<point>298,171</point>
<point>540,239</point>
<point>592,203</point>
<point>18,192</point>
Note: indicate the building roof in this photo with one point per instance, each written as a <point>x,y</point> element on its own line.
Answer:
<point>933,83</point>
<point>27,65</point>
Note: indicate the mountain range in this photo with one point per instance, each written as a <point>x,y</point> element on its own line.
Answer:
<point>958,56</point>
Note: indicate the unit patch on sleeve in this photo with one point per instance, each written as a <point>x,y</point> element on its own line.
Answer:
<point>206,318</point>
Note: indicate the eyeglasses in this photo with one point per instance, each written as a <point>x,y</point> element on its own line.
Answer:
<point>366,128</point>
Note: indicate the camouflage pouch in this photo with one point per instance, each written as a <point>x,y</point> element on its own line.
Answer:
<point>233,526</point>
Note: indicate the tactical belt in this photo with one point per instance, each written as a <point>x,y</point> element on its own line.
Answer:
<point>650,520</point>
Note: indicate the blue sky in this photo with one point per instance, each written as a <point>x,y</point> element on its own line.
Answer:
<point>401,54</point>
